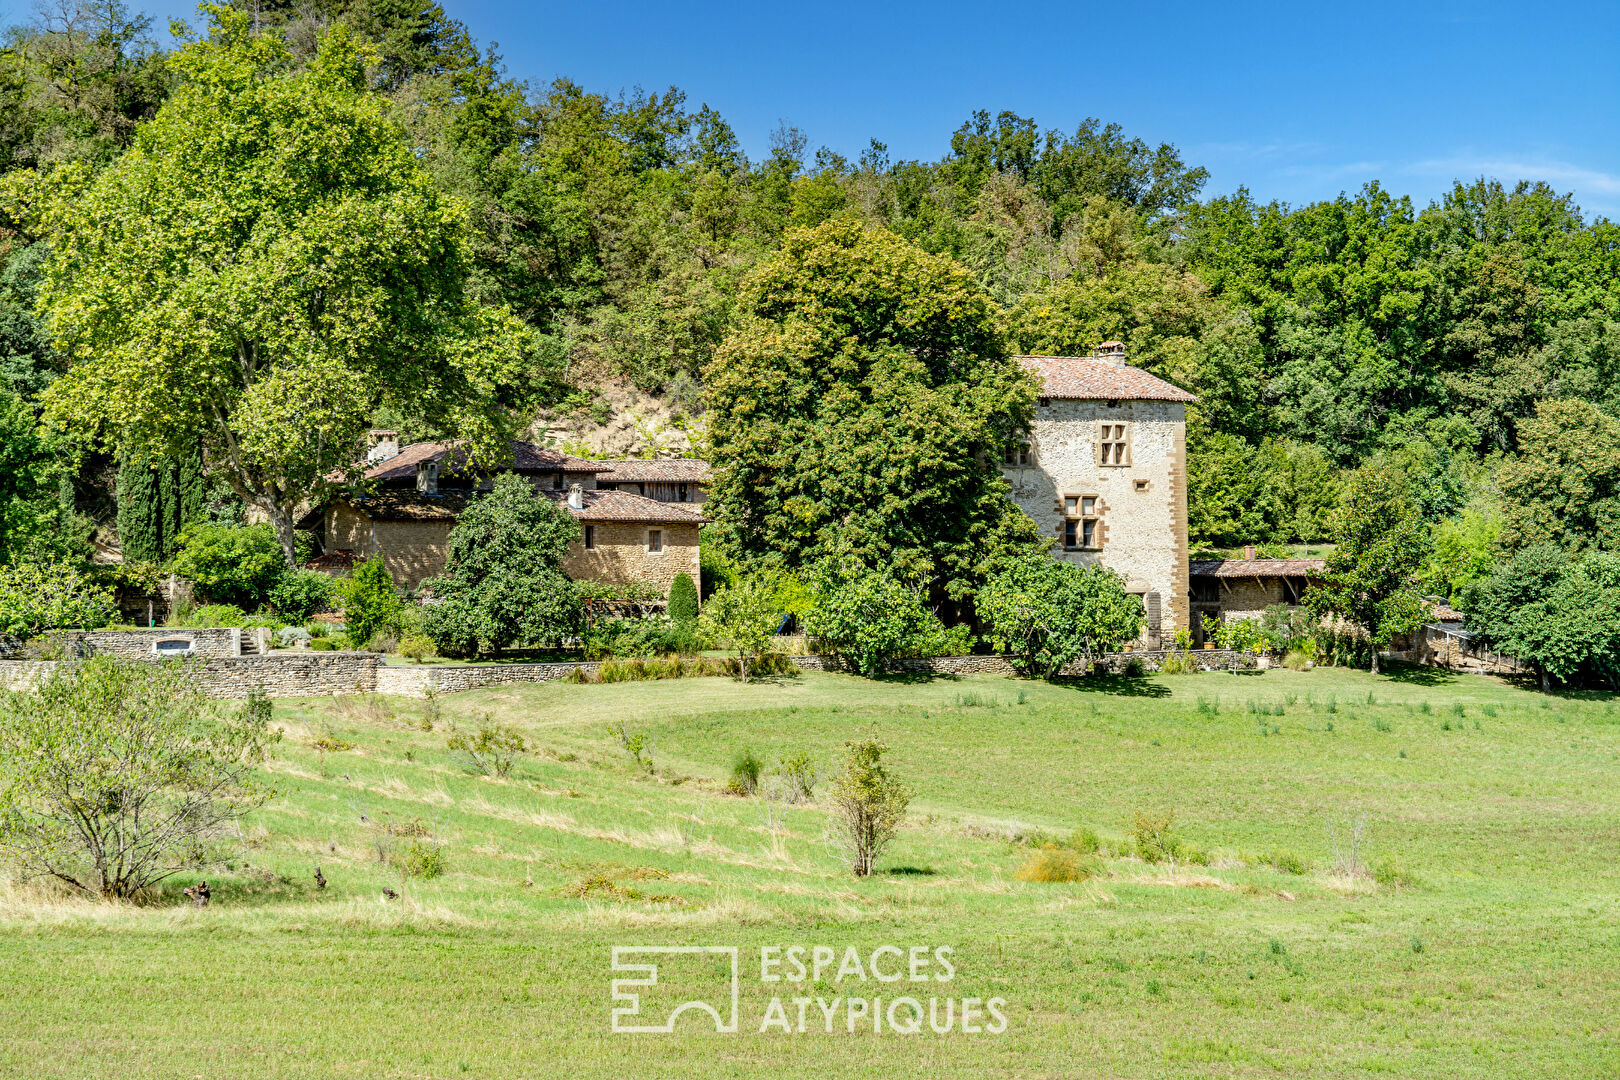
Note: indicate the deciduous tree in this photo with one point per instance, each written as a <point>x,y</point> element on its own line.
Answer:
<point>1371,577</point>
<point>1048,613</point>
<point>265,268</point>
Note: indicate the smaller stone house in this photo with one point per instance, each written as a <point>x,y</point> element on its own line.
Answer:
<point>1243,588</point>
<point>417,494</point>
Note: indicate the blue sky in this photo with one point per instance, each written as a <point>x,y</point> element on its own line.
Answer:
<point>1298,101</point>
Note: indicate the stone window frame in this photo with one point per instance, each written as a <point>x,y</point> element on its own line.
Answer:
<point>589,537</point>
<point>1107,437</point>
<point>655,540</point>
<point>1077,516</point>
<point>1018,455</point>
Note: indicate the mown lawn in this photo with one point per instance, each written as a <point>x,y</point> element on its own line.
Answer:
<point>1490,947</point>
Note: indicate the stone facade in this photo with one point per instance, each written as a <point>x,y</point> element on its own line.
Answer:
<point>1140,507</point>
<point>622,552</point>
<point>412,550</point>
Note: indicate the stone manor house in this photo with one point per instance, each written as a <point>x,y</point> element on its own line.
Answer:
<point>1103,473</point>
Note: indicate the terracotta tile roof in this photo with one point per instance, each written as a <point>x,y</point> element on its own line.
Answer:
<point>1255,567</point>
<point>1095,379</point>
<point>599,506</point>
<point>1444,612</point>
<point>411,505</point>
<point>342,559</point>
<point>668,470</point>
<point>526,457</point>
<point>626,506</point>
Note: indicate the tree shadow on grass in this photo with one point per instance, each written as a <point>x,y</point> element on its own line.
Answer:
<point>1417,674</point>
<point>1117,685</point>
<point>911,871</point>
<point>906,678</point>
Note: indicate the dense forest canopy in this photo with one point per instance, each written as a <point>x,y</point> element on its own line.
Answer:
<point>1428,340</point>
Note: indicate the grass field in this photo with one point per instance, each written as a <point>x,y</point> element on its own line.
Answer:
<point>1490,946</point>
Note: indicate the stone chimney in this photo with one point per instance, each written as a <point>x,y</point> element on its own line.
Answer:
<point>1248,552</point>
<point>1113,352</point>
<point>381,444</point>
<point>427,477</point>
<point>576,497</point>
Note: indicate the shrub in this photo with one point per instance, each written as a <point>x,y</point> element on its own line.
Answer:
<point>291,636</point>
<point>1085,841</point>
<point>798,777</point>
<point>115,775</point>
<point>301,593</point>
<point>417,647</point>
<point>868,806</point>
<point>216,615</point>
<point>231,564</point>
<point>745,772</point>
<point>35,597</point>
<point>422,859</point>
<point>870,619</point>
<point>1153,837</point>
<point>1296,660</point>
<point>323,645</point>
<point>633,743</point>
<point>370,600</point>
<point>1057,864</point>
<point>493,748</point>
<point>1286,861</point>
<point>1134,668</point>
<point>683,601</point>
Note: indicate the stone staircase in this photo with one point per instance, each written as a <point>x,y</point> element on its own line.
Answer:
<point>250,643</point>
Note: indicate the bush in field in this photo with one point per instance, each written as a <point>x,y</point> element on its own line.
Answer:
<point>231,564</point>
<point>1155,842</point>
<point>421,859</point>
<point>798,777</point>
<point>301,593</point>
<point>115,775</point>
<point>870,619</point>
<point>35,597</point>
<point>492,748</point>
<point>745,772</point>
<point>370,601</point>
<point>503,583</point>
<point>1055,864</point>
<point>868,806</point>
<point>417,647</point>
<point>1048,613</point>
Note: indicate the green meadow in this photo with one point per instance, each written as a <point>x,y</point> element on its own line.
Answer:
<point>1477,933</point>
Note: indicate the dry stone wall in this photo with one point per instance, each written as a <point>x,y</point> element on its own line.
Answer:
<point>300,673</point>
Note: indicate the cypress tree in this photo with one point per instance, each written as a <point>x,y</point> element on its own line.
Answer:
<point>155,501</point>
<point>683,601</point>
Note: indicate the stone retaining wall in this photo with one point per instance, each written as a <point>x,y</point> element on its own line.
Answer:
<point>416,681</point>
<point>291,673</point>
<point>213,641</point>
<point>279,675</point>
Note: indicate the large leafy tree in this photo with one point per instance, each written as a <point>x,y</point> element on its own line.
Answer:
<point>1543,608</point>
<point>503,582</point>
<point>858,408</point>
<point>265,268</point>
<point>1048,613</point>
<point>1371,578</point>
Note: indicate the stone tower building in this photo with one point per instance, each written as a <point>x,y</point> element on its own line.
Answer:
<point>1105,475</point>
